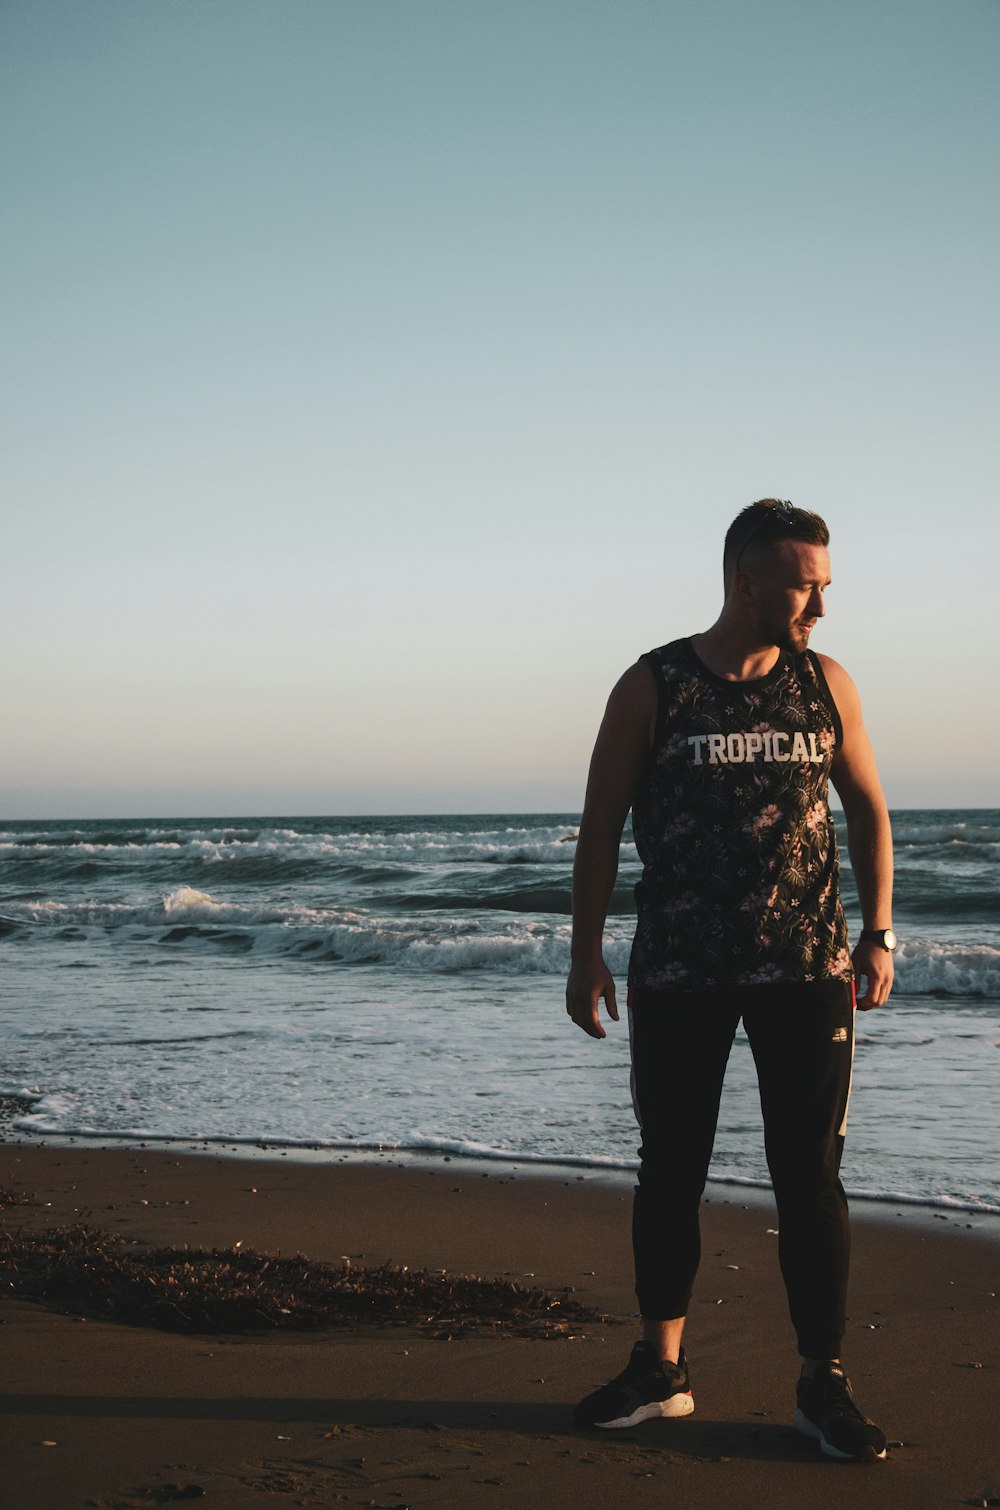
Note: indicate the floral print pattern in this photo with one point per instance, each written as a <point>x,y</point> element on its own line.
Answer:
<point>740,882</point>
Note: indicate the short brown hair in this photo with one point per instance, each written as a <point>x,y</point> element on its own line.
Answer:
<point>767,522</point>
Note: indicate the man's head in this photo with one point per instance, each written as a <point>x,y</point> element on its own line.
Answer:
<point>777,568</point>
<point>761,526</point>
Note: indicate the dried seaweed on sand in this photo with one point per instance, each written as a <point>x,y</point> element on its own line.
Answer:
<point>9,1197</point>
<point>85,1271</point>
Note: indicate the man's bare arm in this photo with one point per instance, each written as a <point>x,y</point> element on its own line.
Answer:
<point>869,835</point>
<point>622,746</point>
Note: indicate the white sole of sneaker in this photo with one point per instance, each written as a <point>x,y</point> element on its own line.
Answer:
<point>656,1410</point>
<point>809,1428</point>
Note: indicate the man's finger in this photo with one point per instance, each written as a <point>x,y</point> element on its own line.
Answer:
<point>876,995</point>
<point>585,1014</point>
<point>589,1019</point>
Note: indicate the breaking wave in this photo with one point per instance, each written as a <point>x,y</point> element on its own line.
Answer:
<point>530,944</point>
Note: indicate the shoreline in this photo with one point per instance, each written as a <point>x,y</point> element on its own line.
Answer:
<point>389,1417</point>
<point>864,1205</point>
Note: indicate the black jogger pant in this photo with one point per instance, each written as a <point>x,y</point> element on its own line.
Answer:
<point>802,1037</point>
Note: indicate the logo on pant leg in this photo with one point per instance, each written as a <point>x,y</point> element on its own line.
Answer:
<point>840,1036</point>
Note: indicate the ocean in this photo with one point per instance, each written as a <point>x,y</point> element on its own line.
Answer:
<point>353,984</point>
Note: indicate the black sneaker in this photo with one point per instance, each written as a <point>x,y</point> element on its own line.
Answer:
<point>828,1414</point>
<point>645,1390</point>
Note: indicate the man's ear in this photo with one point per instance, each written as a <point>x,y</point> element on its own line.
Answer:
<point>744,587</point>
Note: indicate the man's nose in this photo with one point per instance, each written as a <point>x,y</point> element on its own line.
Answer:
<point>816,606</point>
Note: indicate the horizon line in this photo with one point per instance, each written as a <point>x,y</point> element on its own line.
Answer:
<point>490,812</point>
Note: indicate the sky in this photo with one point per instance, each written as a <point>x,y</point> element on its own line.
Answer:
<point>381,377</point>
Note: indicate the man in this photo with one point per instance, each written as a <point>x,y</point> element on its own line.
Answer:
<point>723,745</point>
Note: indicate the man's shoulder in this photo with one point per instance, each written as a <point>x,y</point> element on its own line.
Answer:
<point>841,693</point>
<point>667,665</point>
<point>674,652</point>
<point>836,677</point>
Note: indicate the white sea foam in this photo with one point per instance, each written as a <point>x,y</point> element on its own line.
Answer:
<point>436,943</point>
<point>52,1115</point>
<point>489,845</point>
<point>51,1112</point>
<point>540,840</point>
<point>946,833</point>
<point>927,968</point>
<point>408,992</point>
<point>528,944</point>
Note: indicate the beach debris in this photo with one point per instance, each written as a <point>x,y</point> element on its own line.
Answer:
<point>10,1197</point>
<point>81,1269</point>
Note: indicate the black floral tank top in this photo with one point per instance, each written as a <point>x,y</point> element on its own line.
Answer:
<point>740,881</point>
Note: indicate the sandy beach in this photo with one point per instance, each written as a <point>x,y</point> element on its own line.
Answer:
<point>97,1413</point>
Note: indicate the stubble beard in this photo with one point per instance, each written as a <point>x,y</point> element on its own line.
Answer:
<point>793,638</point>
<point>800,633</point>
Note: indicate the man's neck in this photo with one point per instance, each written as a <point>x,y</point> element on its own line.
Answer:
<point>726,651</point>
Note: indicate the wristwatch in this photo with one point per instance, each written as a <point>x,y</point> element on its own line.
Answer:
<point>883,936</point>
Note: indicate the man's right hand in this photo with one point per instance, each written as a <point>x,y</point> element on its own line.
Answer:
<point>622,746</point>
<point>584,989</point>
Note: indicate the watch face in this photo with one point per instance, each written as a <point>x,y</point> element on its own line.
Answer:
<point>889,938</point>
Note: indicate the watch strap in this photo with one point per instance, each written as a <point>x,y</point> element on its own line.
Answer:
<point>878,936</point>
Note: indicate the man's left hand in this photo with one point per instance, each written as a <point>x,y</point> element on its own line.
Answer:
<point>875,964</point>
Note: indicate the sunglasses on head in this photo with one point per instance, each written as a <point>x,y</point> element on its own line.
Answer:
<point>783,512</point>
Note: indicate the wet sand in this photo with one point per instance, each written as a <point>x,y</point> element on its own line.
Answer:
<point>104,1414</point>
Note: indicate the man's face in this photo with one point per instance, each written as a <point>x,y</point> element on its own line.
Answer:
<point>787,593</point>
